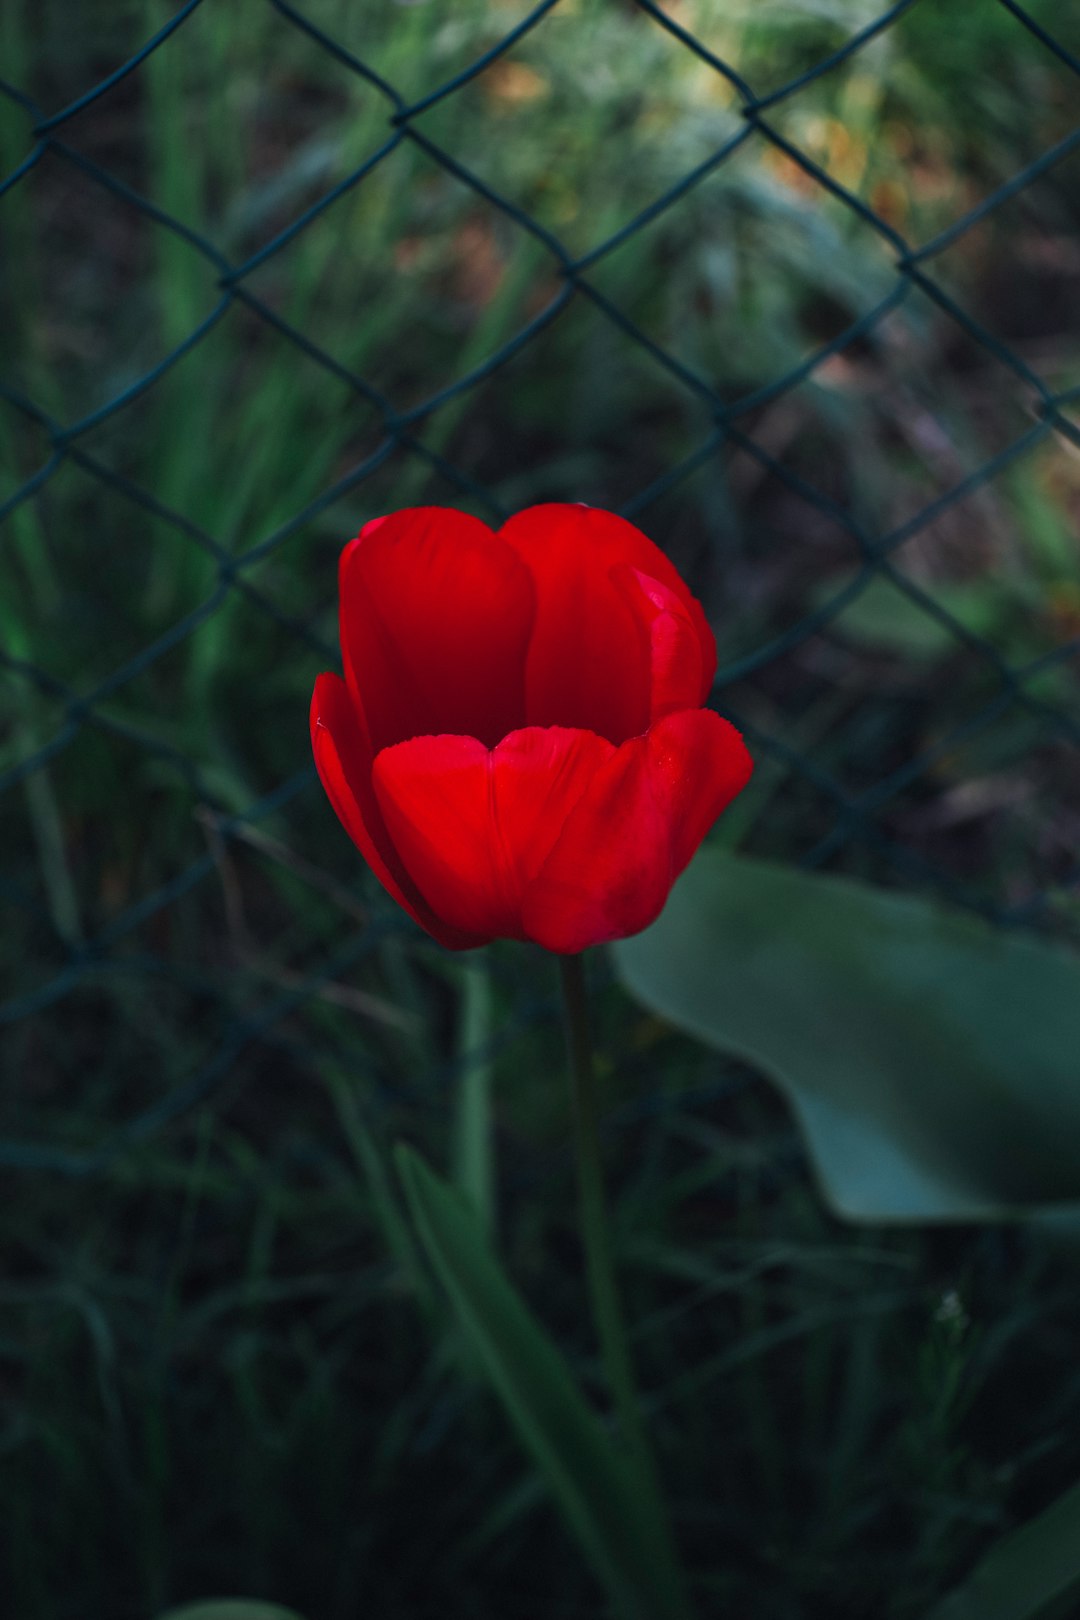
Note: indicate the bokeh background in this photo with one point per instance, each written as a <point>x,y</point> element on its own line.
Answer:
<point>794,287</point>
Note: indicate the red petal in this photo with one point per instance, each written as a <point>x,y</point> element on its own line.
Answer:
<point>680,668</point>
<point>343,761</point>
<point>587,662</point>
<point>634,831</point>
<point>474,826</point>
<point>436,613</point>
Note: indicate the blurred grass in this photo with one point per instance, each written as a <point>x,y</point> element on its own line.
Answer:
<point>214,1372</point>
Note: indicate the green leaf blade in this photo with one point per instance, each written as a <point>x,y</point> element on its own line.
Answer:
<point>932,1062</point>
<point>1024,1571</point>
<point>230,1609</point>
<point>597,1492</point>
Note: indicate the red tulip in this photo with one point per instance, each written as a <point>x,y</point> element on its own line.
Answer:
<point>518,748</point>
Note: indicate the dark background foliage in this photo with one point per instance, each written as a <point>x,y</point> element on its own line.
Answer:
<point>797,293</point>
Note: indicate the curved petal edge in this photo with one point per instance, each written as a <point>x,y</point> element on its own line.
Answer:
<point>474,825</point>
<point>635,829</point>
<point>343,761</point>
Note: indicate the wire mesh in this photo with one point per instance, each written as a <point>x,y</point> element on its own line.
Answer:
<point>134,944</point>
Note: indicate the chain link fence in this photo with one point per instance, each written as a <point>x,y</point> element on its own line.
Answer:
<point>924,647</point>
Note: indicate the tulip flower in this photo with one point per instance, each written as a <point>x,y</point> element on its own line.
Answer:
<point>519,747</point>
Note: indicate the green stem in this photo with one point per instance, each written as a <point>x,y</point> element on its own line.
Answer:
<point>596,1232</point>
<point>606,1310</point>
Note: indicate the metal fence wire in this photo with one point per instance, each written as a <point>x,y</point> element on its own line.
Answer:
<point>133,939</point>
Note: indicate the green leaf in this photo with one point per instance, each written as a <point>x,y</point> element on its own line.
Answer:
<point>932,1061</point>
<point>1025,1570</point>
<point>599,1494</point>
<point>230,1609</point>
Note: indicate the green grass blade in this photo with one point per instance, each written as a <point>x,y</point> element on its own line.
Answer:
<point>600,1499</point>
<point>1025,1571</point>
<point>384,1201</point>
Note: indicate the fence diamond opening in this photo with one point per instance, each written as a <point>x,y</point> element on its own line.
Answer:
<point>50,712</point>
